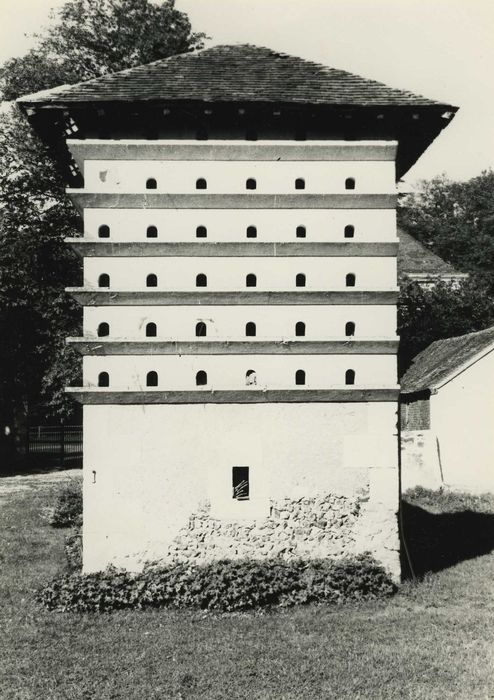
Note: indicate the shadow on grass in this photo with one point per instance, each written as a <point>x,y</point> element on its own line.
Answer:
<point>436,541</point>
<point>35,465</point>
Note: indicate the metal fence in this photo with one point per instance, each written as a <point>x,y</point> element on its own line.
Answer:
<point>59,445</point>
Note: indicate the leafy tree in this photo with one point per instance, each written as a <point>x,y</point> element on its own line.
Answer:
<point>456,220</point>
<point>89,38</point>
<point>35,313</point>
<point>425,315</point>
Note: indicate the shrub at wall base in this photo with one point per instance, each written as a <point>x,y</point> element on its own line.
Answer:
<point>221,586</point>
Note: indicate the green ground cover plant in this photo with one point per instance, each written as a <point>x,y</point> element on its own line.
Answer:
<point>226,586</point>
<point>434,639</point>
<point>67,511</point>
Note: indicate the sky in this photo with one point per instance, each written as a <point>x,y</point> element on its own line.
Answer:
<point>442,49</point>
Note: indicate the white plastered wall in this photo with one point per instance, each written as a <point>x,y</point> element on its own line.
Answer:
<point>273,225</point>
<point>322,322</point>
<point>147,469</point>
<point>420,460</point>
<point>228,371</point>
<point>225,274</point>
<point>462,418</point>
<point>178,177</point>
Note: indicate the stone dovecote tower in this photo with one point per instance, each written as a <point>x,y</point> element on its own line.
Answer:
<point>239,348</point>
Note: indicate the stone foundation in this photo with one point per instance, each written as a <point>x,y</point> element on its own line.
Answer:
<point>329,526</point>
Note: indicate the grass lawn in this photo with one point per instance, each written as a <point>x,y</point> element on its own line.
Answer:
<point>434,639</point>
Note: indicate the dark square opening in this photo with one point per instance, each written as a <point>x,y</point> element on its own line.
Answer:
<point>240,483</point>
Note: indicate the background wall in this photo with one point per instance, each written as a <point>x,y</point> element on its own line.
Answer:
<point>462,417</point>
<point>420,464</point>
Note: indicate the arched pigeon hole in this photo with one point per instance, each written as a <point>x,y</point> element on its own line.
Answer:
<point>350,376</point>
<point>104,231</point>
<point>201,330</point>
<point>251,232</point>
<point>151,183</point>
<point>250,184</point>
<point>104,280</point>
<point>201,378</point>
<point>251,280</point>
<point>250,329</point>
<point>251,135</point>
<point>151,280</point>
<point>300,377</point>
<point>152,379</point>
<point>349,231</point>
<point>300,280</point>
<point>201,280</point>
<point>350,280</point>
<point>202,134</point>
<point>103,330</point>
<point>300,232</point>
<point>350,183</point>
<point>201,184</point>
<point>151,330</point>
<point>300,183</point>
<point>151,232</point>
<point>103,379</point>
<point>300,328</point>
<point>250,377</point>
<point>201,232</point>
<point>349,329</point>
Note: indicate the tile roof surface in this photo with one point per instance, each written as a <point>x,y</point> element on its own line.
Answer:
<point>439,361</point>
<point>233,73</point>
<point>414,257</point>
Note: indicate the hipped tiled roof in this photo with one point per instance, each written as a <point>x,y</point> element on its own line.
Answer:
<point>439,362</point>
<point>414,257</point>
<point>233,73</point>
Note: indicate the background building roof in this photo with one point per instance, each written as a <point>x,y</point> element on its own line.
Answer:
<point>414,257</point>
<point>233,73</point>
<point>443,358</point>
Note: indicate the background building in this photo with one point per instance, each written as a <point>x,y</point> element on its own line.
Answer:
<point>447,413</point>
<point>419,264</point>
<point>240,384</point>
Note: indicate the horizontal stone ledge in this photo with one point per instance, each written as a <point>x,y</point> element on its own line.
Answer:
<point>334,249</point>
<point>153,297</point>
<point>347,395</point>
<point>161,200</point>
<point>152,346</point>
<point>131,149</point>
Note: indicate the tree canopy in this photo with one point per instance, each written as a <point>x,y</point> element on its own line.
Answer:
<point>456,220</point>
<point>35,266</point>
<point>89,38</point>
<point>443,311</point>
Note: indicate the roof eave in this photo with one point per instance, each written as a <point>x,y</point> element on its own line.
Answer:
<point>61,102</point>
